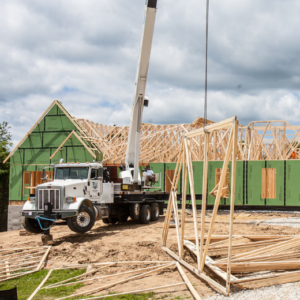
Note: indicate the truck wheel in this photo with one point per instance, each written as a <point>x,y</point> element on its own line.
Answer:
<point>145,214</point>
<point>134,211</point>
<point>31,225</point>
<point>83,222</point>
<point>154,212</point>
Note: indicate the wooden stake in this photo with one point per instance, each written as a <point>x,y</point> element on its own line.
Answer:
<point>40,286</point>
<point>192,192</point>
<point>204,194</point>
<point>232,198</point>
<point>188,283</point>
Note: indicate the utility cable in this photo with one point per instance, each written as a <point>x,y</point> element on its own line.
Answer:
<point>206,50</point>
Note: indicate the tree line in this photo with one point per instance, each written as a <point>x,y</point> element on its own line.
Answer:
<point>5,144</point>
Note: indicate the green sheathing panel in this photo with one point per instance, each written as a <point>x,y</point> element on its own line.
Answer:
<point>17,157</point>
<point>198,178</point>
<point>40,126</point>
<point>60,112</point>
<point>34,140</point>
<point>160,169</point>
<point>78,154</point>
<point>172,166</point>
<point>53,111</point>
<point>254,171</point>
<point>292,183</point>
<point>62,153</point>
<point>212,166</point>
<point>279,166</point>
<point>37,156</point>
<point>58,123</point>
<point>239,183</point>
<point>15,183</point>
<point>55,139</point>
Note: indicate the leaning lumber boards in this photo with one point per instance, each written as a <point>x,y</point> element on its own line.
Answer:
<point>21,261</point>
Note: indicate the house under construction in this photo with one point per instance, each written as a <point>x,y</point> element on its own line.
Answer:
<point>268,162</point>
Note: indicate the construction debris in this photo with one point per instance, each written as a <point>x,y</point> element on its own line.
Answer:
<point>100,266</point>
<point>235,254</point>
<point>21,261</point>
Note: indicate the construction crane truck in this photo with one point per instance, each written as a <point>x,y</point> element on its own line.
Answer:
<point>82,192</point>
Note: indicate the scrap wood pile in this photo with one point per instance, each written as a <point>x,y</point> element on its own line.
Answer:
<point>254,260</point>
<point>133,275</point>
<point>21,261</point>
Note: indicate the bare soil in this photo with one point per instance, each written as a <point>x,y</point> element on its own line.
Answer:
<point>136,242</point>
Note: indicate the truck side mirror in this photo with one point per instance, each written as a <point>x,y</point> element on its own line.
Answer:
<point>44,175</point>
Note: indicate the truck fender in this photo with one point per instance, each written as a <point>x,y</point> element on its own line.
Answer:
<point>79,202</point>
<point>28,206</point>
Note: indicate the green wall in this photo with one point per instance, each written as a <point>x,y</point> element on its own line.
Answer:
<point>160,169</point>
<point>254,174</point>
<point>34,153</point>
<point>293,183</point>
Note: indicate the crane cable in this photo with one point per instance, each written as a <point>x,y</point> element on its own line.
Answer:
<point>205,95</point>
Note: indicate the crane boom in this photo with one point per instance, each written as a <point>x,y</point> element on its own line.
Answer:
<point>133,146</point>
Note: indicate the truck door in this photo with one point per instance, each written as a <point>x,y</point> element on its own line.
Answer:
<point>95,184</point>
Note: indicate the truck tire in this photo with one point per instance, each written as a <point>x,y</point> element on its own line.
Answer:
<point>83,222</point>
<point>31,225</point>
<point>154,212</point>
<point>134,211</point>
<point>145,214</point>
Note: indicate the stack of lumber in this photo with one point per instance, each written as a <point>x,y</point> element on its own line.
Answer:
<point>253,255</point>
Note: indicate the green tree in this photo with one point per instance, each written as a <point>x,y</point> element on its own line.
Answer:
<point>5,143</point>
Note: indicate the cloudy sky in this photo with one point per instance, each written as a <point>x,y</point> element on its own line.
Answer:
<point>84,53</point>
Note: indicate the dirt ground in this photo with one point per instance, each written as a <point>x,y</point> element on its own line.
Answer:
<point>135,242</point>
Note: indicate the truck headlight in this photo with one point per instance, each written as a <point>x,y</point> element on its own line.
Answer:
<point>31,199</point>
<point>71,199</point>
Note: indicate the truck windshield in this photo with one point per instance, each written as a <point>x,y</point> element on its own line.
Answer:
<point>71,173</point>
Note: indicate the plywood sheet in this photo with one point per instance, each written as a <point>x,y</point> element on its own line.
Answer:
<point>275,183</point>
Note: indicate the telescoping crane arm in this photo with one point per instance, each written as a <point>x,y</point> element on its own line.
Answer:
<point>133,146</point>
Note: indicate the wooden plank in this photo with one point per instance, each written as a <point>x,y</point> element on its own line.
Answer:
<point>232,198</point>
<point>213,283</point>
<point>183,203</point>
<point>192,192</point>
<point>204,194</point>
<point>209,262</point>
<point>40,285</point>
<point>43,259</point>
<point>115,283</point>
<point>137,291</point>
<point>188,283</point>
<point>77,277</point>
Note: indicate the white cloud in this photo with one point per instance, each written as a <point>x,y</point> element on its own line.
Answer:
<point>84,53</point>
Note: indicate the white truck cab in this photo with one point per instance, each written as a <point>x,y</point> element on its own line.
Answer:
<point>76,187</point>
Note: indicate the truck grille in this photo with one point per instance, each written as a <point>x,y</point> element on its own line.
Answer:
<point>52,196</point>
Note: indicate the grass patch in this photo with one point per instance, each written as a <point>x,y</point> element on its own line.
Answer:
<point>28,283</point>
